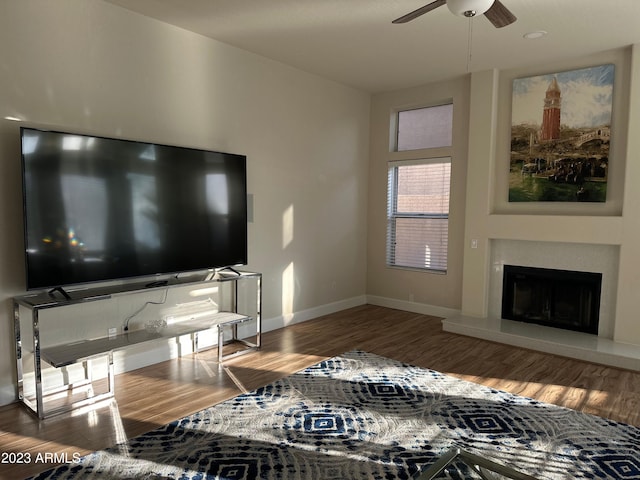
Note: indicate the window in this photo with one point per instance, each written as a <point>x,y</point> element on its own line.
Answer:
<point>418,218</point>
<point>429,127</point>
<point>418,191</point>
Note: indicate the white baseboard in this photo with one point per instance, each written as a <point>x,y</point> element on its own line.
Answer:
<point>311,313</point>
<point>414,307</point>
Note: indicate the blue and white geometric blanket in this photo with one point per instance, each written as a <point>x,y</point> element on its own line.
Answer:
<point>362,416</point>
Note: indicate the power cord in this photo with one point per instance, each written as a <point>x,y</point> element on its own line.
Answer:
<point>128,319</point>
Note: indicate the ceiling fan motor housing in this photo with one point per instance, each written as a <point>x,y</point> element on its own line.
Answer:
<point>469,8</point>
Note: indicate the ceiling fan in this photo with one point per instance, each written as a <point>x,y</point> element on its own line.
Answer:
<point>494,10</point>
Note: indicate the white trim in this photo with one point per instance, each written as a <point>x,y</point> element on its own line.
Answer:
<point>311,313</point>
<point>419,161</point>
<point>414,307</point>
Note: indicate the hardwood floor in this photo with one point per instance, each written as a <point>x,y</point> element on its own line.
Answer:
<point>155,395</point>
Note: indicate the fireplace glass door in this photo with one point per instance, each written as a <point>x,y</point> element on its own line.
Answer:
<point>556,298</point>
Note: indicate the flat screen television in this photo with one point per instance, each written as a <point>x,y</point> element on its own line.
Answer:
<point>100,209</point>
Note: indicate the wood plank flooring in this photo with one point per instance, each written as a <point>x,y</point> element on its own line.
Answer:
<point>155,395</point>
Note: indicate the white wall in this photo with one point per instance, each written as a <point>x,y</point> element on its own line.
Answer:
<point>85,65</point>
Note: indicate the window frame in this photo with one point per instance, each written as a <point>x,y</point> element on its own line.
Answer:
<point>414,157</point>
<point>393,215</point>
<point>396,127</point>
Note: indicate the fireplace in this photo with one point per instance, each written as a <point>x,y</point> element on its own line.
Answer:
<point>556,298</point>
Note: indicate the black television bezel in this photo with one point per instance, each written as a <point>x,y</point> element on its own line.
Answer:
<point>136,277</point>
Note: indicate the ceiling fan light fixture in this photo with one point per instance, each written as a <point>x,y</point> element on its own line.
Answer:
<point>535,35</point>
<point>469,8</point>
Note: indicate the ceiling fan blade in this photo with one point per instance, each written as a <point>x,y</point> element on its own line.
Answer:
<point>500,15</point>
<point>420,11</point>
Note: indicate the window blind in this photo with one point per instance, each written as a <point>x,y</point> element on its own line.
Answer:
<point>418,214</point>
<point>429,127</point>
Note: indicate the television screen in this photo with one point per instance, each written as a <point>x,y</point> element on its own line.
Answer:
<point>98,209</point>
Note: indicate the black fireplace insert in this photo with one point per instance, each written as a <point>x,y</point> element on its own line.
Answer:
<point>556,298</point>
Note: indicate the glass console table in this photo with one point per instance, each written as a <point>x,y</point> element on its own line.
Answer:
<point>28,339</point>
<point>471,466</point>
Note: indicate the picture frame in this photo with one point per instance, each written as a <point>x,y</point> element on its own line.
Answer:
<point>560,136</point>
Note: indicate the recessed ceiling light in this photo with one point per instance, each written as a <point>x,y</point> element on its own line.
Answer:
<point>534,35</point>
<point>13,119</point>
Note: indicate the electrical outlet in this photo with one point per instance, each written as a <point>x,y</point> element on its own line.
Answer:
<point>113,331</point>
<point>474,243</point>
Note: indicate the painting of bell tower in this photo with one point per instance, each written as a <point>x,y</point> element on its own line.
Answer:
<point>561,136</point>
<point>550,129</point>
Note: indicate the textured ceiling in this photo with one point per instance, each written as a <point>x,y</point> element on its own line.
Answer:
<point>354,42</point>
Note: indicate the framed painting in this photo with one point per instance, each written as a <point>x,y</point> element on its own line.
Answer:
<point>560,136</point>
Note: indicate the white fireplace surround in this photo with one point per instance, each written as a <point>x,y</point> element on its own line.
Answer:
<point>561,256</point>
<point>597,258</point>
